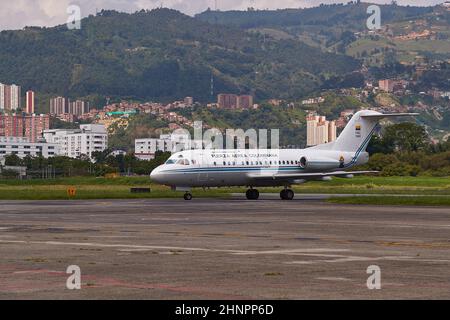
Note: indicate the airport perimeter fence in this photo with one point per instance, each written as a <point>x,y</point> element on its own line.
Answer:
<point>49,173</point>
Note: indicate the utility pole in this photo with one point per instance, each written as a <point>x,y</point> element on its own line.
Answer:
<point>212,85</point>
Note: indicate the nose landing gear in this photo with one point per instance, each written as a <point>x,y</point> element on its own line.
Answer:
<point>187,196</point>
<point>287,194</point>
<point>252,194</point>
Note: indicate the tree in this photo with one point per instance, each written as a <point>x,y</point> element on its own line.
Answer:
<point>101,156</point>
<point>13,160</point>
<point>404,136</point>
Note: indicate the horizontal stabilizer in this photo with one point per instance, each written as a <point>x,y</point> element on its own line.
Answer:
<point>388,115</point>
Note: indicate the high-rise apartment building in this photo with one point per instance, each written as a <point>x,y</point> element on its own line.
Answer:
<point>62,105</point>
<point>2,96</point>
<point>35,125</point>
<point>59,105</point>
<point>15,97</point>
<point>10,97</point>
<point>30,102</point>
<point>319,130</point>
<point>29,126</point>
<point>78,107</point>
<point>11,125</point>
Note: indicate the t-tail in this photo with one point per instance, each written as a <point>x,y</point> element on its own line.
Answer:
<point>357,133</point>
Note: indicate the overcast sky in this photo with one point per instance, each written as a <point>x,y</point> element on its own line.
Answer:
<point>16,14</point>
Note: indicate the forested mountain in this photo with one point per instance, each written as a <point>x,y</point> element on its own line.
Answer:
<point>161,55</point>
<point>352,16</point>
<point>343,28</point>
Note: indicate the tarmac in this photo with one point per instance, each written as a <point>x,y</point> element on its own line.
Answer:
<point>222,249</point>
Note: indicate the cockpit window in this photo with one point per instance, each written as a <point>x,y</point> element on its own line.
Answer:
<point>184,162</point>
<point>170,161</point>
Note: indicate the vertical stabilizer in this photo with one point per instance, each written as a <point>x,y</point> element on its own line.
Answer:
<point>359,130</point>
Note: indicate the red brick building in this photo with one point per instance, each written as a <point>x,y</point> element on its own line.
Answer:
<point>34,125</point>
<point>11,125</point>
<point>30,126</point>
<point>233,101</point>
<point>227,101</point>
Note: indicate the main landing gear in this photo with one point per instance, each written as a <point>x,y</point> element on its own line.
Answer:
<point>252,194</point>
<point>187,196</point>
<point>287,194</point>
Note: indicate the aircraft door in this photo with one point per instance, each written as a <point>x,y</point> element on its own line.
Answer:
<point>203,175</point>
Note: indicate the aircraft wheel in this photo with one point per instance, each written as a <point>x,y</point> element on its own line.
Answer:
<point>287,194</point>
<point>252,194</point>
<point>187,196</point>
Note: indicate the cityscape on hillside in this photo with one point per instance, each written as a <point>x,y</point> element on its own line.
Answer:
<point>390,78</point>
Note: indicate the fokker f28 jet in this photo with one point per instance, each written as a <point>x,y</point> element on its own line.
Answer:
<point>273,167</point>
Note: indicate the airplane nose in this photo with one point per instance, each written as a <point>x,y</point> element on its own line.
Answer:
<point>156,175</point>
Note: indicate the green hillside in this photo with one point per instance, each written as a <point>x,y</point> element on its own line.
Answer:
<point>333,28</point>
<point>162,55</point>
<point>350,15</point>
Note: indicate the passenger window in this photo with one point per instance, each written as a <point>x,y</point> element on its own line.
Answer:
<point>247,162</point>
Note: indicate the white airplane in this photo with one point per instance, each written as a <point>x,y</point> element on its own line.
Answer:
<point>272,167</point>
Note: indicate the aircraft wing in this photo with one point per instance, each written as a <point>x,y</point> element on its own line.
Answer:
<point>307,176</point>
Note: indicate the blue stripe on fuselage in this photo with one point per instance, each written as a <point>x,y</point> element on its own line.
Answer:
<point>232,169</point>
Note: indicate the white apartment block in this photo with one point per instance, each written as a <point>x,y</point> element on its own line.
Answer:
<point>2,96</point>
<point>22,147</point>
<point>15,97</point>
<point>10,97</point>
<point>319,130</point>
<point>74,143</point>
<point>145,149</point>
